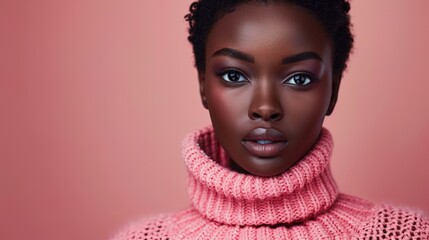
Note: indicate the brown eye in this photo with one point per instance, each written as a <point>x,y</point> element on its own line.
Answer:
<point>301,79</point>
<point>233,76</point>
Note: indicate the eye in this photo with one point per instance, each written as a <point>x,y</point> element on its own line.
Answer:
<point>300,79</point>
<point>232,76</point>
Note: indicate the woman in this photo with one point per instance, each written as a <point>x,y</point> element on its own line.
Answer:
<point>269,72</point>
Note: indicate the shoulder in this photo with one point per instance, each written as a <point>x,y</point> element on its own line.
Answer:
<point>391,222</point>
<point>152,227</point>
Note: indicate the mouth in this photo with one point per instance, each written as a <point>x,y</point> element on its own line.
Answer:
<point>265,142</point>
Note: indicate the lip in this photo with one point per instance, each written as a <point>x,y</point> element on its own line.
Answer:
<point>265,142</point>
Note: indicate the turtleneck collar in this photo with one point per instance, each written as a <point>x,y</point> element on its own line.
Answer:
<point>228,197</point>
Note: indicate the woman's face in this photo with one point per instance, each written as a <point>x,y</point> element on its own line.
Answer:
<point>267,85</point>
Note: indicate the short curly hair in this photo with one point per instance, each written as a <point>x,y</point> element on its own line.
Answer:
<point>333,14</point>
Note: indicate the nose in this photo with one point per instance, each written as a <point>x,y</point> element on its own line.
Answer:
<point>266,105</point>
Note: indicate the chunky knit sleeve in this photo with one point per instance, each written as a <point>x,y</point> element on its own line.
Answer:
<point>389,222</point>
<point>154,227</point>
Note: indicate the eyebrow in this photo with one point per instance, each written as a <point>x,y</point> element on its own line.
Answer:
<point>301,57</point>
<point>229,52</point>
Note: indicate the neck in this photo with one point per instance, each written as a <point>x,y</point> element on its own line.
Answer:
<point>235,167</point>
<point>230,197</point>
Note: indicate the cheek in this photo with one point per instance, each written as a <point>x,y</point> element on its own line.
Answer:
<point>307,109</point>
<point>227,106</point>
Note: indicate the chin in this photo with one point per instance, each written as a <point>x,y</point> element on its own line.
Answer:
<point>265,167</point>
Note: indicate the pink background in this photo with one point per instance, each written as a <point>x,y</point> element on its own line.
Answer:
<point>96,97</point>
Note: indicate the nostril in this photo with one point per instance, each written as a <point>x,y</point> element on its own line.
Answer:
<point>256,115</point>
<point>266,117</point>
<point>275,116</point>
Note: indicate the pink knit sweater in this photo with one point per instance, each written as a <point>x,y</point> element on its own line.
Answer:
<point>301,203</point>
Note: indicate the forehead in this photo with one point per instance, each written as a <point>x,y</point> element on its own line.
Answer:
<point>280,27</point>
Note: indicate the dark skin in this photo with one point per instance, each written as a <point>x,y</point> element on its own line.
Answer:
<point>268,66</point>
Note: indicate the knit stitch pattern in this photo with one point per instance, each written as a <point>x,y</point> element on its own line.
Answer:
<point>301,203</point>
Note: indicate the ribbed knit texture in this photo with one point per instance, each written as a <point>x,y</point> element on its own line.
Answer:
<point>233,198</point>
<point>301,203</point>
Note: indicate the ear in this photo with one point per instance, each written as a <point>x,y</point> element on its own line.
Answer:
<point>336,80</point>
<point>201,81</point>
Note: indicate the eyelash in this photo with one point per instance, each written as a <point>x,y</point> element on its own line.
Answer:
<point>306,75</point>
<point>232,70</point>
